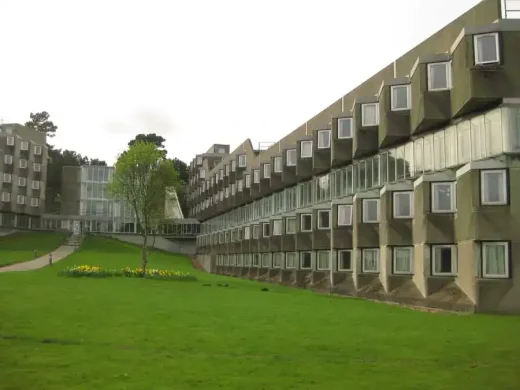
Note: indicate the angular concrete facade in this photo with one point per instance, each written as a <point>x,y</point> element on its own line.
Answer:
<point>404,190</point>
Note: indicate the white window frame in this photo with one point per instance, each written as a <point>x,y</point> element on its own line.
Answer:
<point>396,196</point>
<point>278,259</point>
<point>340,121</point>
<point>453,199</point>
<point>24,145</point>
<point>8,159</point>
<point>305,155</point>
<point>227,169</point>
<point>22,163</point>
<point>484,259</point>
<point>37,150</point>
<point>199,160</point>
<point>447,65</point>
<point>266,256</point>
<point>301,222</point>
<point>301,259</point>
<point>340,268</point>
<point>364,123</point>
<point>319,266</point>
<point>436,250</point>
<point>22,181</point>
<point>344,206</point>
<point>10,141</point>
<point>20,199</point>
<point>291,153</point>
<point>264,225</point>
<point>277,227</point>
<point>320,226</point>
<point>278,164</point>
<point>293,257</point>
<point>410,250</point>
<point>378,257</point>
<point>6,197</point>
<point>37,167</point>
<point>240,185</point>
<point>242,160</point>
<point>408,97</point>
<point>322,145</point>
<point>483,174</point>
<point>364,206</point>
<point>7,178</point>
<point>233,165</point>
<point>247,232</point>
<point>287,231</point>
<point>35,202</point>
<point>257,228</point>
<point>248,181</point>
<point>267,171</point>
<point>256,176</point>
<point>497,46</point>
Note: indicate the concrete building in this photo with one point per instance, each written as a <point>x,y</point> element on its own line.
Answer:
<point>406,189</point>
<point>23,174</point>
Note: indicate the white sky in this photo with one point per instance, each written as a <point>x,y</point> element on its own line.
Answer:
<point>197,72</point>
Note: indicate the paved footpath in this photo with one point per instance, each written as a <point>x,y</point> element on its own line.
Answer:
<point>57,255</point>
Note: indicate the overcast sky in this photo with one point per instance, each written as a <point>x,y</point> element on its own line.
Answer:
<point>197,72</point>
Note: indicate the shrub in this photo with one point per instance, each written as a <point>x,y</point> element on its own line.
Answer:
<point>88,270</point>
<point>93,271</point>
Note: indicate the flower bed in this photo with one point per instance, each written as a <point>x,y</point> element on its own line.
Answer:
<point>93,271</point>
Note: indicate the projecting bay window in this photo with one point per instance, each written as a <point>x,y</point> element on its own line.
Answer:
<point>278,164</point>
<point>370,210</point>
<point>370,260</point>
<point>370,114</point>
<point>345,260</point>
<point>403,205</point>
<point>444,260</point>
<point>401,97</point>
<point>344,215</point>
<point>306,223</point>
<point>495,260</point>
<point>403,260</point>
<point>443,197</point>
<point>291,157</point>
<point>439,76</point>
<point>487,49</point>
<point>324,139</point>
<point>306,149</point>
<point>344,128</point>
<point>305,260</point>
<point>493,187</point>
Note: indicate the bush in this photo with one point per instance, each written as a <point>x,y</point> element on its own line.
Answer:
<point>93,271</point>
<point>88,270</point>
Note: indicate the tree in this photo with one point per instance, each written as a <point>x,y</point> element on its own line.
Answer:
<point>40,122</point>
<point>141,177</point>
<point>152,138</point>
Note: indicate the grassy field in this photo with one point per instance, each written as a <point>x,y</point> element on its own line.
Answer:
<point>19,247</point>
<point>122,333</point>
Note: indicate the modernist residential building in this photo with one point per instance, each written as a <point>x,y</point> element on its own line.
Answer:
<point>23,173</point>
<point>406,189</point>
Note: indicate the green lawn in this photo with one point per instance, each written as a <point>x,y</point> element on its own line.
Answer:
<point>20,246</point>
<point>123,333</point>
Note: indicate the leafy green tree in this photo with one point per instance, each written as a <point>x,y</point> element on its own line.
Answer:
<point>40,122</point>
<point>141,176</point>
<point>152,138</point>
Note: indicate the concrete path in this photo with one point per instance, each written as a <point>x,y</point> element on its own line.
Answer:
<point>57,255</point>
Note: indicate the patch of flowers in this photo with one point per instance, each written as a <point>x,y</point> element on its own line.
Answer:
<point>93,271</point>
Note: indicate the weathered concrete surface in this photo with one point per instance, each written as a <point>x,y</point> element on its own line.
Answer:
<point>57,255</point>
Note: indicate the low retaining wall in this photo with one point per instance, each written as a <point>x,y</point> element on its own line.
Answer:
<point>183,246</point>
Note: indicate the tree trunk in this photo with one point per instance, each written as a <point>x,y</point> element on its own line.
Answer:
<point>144,258</point>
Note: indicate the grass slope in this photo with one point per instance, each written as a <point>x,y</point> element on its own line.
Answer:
<point>64,333</point>
<point>20,246</point>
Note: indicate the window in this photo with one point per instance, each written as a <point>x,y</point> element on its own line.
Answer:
<point>233,165</point>
<point>10,141</point>
<point>495,259</point>
<point>227,169</point>
<point>403,260</point>
<point>345,260</point>
<point>290,260</point>
<point>256,176</point>
<point>403,204</point>
<point>306,223</point>
<point>226,192</point>
<point>256,231</point>
<point>8,159</point>
<point>306,149</point>
<point>277,260</point>
<point>24,145</point>
<point>6,197</point>
<point>221,238</point>
<point>324,139</point>
<point>370,210</point>
<point>22,163</point>
<point>277,227</point>
<point>443,197</point>
<point>493,187</point>
<point>266,260</point>
<point>439,76</point>
<point>290,225</point>
<point>37,150</point>
<point>323,260</point>
<point>20,199</point>
<point>247,232</point>
<point>278,164</point>
<point>7,178</point>
<point>248,181</point>
<point>242,160</point>
<point>202,173</point>
<point>221,174</point>
<point>233,189</point>
<point>35,202</point>
<point>444,260</point>
<point>240,185</point>
<point>487,49</point>
<point>305,260</point>
<point>323,219</point>
<point>401,97</point>
<point>256,260</point>
<point>344,215</point>
<point>371,260</point>
<point>266,229</point>
<point>267,171</point>
<point>22,181</point>
<point>199,160</point>
<point>344,128</point>
<point>36,167</point>
<point>370,114</point>
<point>291,157</point>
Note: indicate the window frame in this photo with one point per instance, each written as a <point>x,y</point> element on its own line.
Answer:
<point>301,149</point>
<point>264,225</point>
<point>341,269</point>
<point>319,224</point>
<point>248,180</point>
<point>327,146</point>
<point>7,178</point>
<point>378,253</point>
<point>505,187</point>
<point>302,253</point>
<point>287,160</point>
<point>259,229</point>
<point>37,150</point>
<point>242,160</point>
<point>233,165</point>
<point>349,223</point>
<point>453,199</point>
<point>340,120</point>
<point>6,197</point>
<point>454,259</point>
<point>497,48</point>
<point>267,170</point>
<point>8,159</point>
<point>507,259</point>
<point>23,163</point>
<point>364,214</point>
<point>363,117</point>
<point>277,222</point>
<point>397,194</point>
<point>449,80</point>
<point>410,250</point>
<point>247,232</point>
<point>10,140</point>
<point>408,97</point>
<point>294,257</point>
<point>277,164</point>
<point>275,259</point>
<point>301,222</point>
<point>24,145</point>
<point>18,197</point>
<point>287,225</point>
<point>318,268</point>
<point>22,181</point>
<point>256,176</point>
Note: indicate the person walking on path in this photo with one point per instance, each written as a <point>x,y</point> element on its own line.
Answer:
<point>50,258</point>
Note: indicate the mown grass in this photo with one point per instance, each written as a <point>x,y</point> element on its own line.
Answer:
<point>20,246</point>
<point>124,333</point>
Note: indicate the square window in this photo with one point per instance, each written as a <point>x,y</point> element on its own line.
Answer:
<point>324,139</point>
<point>305,260</point>
<point>24,145</point>
<point>345,215</point>
<point>443,197</point>
<point>323,261</point>
<point>370,210</point>
<point>266,229</point>
<point>37,150</point>
<point>444,260</point>
<point>20,199</point>
<point>345,260</point>
<point>242,160</point>
<point>8,159</point>
<point>370,114</point>
<point>344,128</point>
<point>291,157</point>
<point>323,219</point>
<point>278,165</point>
<point>403,260</point>
<point>277,227</point>
<point>10,141</point>
<point>290,260</point>
<point>306,149</point>
<point>247,233</point>
<point>495,259</point>
<point>403,204</point>
<point>267,171</point>
<point>487,49</point>
<point>6,197</point>
<point>256,176</point>
<point>401,97</point>
<point>370,260</point>
<point>248,181</point>
<point>23,163</point>
<point>7,178</point>
<point>278,260</point>
<point>290,225</point>
<point>256,231</point>
<point>22,181</point>
<point>493,187</point>
<point>439,76</point>
<point>306,223</point>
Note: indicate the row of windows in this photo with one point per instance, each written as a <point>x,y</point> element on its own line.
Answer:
<point>21,199</point>
<point>494,255</point>
<point>24,145</point>
<point>22,163</point>
<point>22,181</point>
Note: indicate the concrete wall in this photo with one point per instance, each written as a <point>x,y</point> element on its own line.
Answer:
<point>183,246</point>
